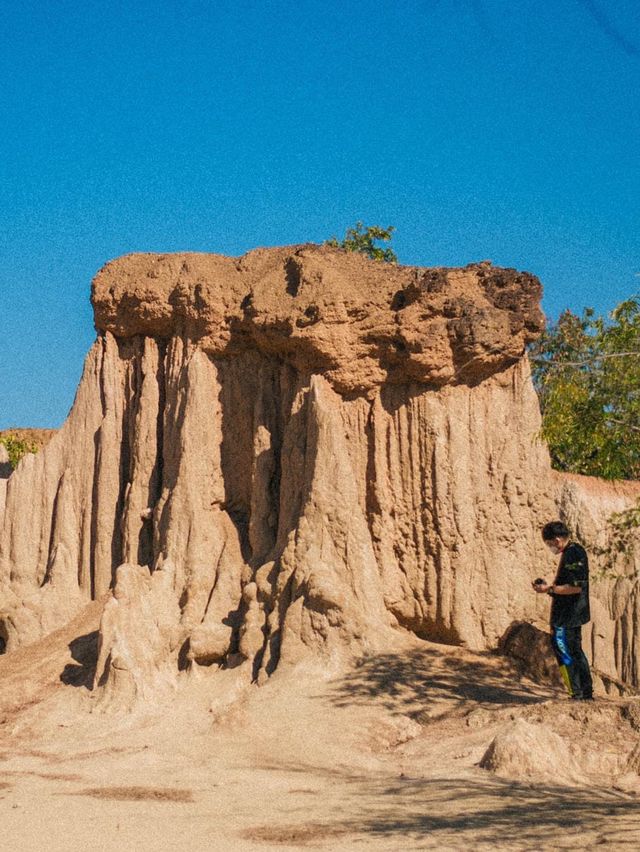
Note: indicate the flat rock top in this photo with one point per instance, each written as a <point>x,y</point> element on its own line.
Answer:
<point>361,323</point>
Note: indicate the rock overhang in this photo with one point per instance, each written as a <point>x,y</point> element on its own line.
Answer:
<point>359,322</point>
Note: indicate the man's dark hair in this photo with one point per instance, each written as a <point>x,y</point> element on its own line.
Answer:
<point>554,529</point>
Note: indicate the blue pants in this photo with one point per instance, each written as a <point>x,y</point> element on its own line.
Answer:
<point>574,666</point>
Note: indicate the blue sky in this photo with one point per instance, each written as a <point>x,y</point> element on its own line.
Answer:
<point>479,128</point>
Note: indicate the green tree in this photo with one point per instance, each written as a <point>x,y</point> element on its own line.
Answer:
<point>17,448</point>
<point>587,373</point>
<point>363,239</point>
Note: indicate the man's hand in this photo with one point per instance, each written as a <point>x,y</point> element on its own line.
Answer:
<point>541,588</point>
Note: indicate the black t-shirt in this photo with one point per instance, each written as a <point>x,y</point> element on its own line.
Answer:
<point>573,570</point>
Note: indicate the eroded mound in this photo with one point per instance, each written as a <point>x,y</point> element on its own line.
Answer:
<point>531,752</point>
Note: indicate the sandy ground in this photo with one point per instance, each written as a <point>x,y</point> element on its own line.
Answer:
<point>382,756</point>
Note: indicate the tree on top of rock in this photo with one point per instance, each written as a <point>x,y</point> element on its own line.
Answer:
<point>363,239</point>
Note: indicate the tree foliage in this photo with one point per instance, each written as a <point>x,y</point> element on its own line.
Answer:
<point>363,239</point>
<point>621,537</point>
<point>17,448</point>
<point>587,373</point>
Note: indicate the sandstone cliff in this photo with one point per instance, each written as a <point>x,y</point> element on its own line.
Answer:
<point>294,452</point>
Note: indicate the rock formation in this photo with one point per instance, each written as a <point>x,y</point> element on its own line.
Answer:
<point>296,452</point>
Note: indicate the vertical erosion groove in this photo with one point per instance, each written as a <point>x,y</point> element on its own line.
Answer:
<point>171,416</point>
<point>130,354</point>
<point>239,389</point>
<point>162,402</point>
<point>52,534</point>
<point>279,420</point>
<point>372,503</point>
<point>148,552</point>
<point>96,465</point>
<point>4,636</point>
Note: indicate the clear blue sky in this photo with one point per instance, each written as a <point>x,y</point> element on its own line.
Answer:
<point>479,128</point>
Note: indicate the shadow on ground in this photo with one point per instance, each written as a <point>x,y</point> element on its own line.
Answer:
<point>424,680</point>
<point>84,650</point>
<point>482,810</point>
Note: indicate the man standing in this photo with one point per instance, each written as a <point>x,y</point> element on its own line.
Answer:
<point>569,609</point>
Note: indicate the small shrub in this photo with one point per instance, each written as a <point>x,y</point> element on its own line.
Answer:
<point>17,448</point>
<point>363,240</point>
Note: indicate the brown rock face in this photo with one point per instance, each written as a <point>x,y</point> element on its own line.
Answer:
<point>359,324</point>
<point>295,452</point>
